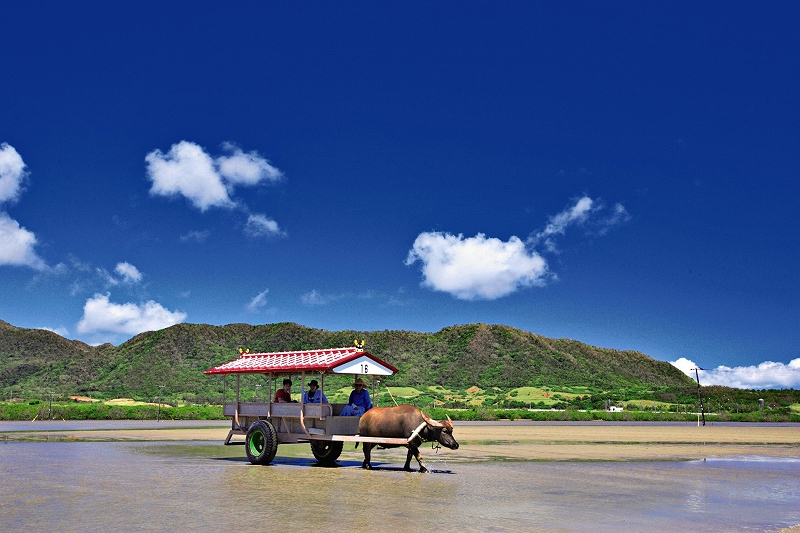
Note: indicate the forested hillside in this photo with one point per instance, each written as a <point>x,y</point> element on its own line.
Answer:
<point>459,356</point>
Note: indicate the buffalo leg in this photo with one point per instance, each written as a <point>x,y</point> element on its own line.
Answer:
<point>367,459</point>
<point>413,450</point>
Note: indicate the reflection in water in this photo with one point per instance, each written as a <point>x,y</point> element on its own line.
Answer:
<point>168,487</point>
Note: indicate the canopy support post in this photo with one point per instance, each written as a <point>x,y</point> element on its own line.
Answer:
<point>236,410</point>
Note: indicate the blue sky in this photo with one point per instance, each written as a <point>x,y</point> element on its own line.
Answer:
<point>625,175</point>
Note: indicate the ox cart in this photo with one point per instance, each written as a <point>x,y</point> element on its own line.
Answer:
<point>266,424</point>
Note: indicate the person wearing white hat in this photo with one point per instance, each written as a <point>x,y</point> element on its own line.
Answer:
<point>359,402</point>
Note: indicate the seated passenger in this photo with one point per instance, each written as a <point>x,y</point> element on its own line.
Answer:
<point>284,395</point>
<point>313,394</point>
<point>359,402</point>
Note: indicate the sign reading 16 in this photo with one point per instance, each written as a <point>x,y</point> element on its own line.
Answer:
<point>364,368</point>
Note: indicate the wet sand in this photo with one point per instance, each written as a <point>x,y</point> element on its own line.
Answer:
<point>141,476</point>
<point>487,441</point>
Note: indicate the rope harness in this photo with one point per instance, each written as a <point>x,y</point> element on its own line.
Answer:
<point>435,446</point>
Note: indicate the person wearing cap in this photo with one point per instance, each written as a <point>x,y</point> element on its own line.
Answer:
<point>359,402</point>
<point>313,394</point>
<point>284,395</point>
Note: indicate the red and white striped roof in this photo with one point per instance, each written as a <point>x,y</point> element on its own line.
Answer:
<point>325,360</point>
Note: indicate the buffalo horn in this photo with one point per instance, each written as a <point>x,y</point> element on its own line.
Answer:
<point>432,423</point>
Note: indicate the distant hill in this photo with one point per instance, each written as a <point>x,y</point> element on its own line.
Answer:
<point>36,360</point>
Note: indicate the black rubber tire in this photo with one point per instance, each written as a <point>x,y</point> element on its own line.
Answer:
<point>261,443</point>
<point>326,451</point>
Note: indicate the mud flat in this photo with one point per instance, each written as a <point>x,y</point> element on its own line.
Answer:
<point>505,477</point>
<point>488,441</point>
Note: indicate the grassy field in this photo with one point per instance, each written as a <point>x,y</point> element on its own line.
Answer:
<point>471,403</point>
<point>127,409</point>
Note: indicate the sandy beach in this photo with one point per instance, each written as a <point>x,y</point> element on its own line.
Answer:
<point>491,441</point>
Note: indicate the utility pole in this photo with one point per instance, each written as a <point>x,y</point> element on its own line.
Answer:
<point>699,396</point>
<point>158,415</point>
<point>258,386</point>
<point>50,407</point>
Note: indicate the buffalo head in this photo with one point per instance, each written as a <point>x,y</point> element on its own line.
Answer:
<point>441,432</point>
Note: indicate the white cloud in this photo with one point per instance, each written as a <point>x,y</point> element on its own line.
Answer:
<point>577,214</point>
<point>619,216</point>
<point>260,225</point>
<point>58,331</point>
<point>313,298</point>
<point>488,268</point>
<point>476,267</point>
<point>12,174</point>
<point>258,301</point>
<point>17,245</point>
<point>196,236</point>
<point>102,316</point>
<point>767,375</point>
<point>587,213</point>
<point>128,272</point>
<point>189,171</point>
<point>245,169</point>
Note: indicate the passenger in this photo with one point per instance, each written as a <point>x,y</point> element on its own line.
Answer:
<point>313,394</point>
<point>359,402</point>
<point>284,395</point>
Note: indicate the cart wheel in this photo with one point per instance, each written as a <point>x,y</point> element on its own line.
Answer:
<point>326,451</point>
<point>261,443</point>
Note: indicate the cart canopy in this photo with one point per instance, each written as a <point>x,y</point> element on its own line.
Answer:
<point>352,360</point>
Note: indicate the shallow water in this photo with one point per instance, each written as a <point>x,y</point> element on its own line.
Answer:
<point>100,486</point>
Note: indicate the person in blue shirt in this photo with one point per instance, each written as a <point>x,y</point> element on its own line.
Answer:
<point>359,402</point>
<point>313,394</point>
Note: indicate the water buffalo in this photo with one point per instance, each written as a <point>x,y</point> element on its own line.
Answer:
<point>404,421</point>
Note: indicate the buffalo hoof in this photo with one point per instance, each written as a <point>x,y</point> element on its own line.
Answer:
<point>422,470</point>
<point>366,466</point>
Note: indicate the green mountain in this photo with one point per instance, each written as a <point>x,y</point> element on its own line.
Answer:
<point>36,361</point>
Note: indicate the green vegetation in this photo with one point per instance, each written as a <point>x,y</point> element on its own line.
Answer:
<point>475,370</point>
<point>60,410</point>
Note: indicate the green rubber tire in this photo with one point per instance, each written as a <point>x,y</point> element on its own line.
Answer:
<point>261,443</point>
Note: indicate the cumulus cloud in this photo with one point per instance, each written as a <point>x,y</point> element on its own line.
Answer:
<point>258,301</point>
<point>476,267</point>
<point>12,174</point>
<point>245,169</point>
<point>126,273</point>
<point>188,171</point>
<point>17,245</point>
<point>488,268</point>
<point>767,375</point>
<point>102,316</point>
